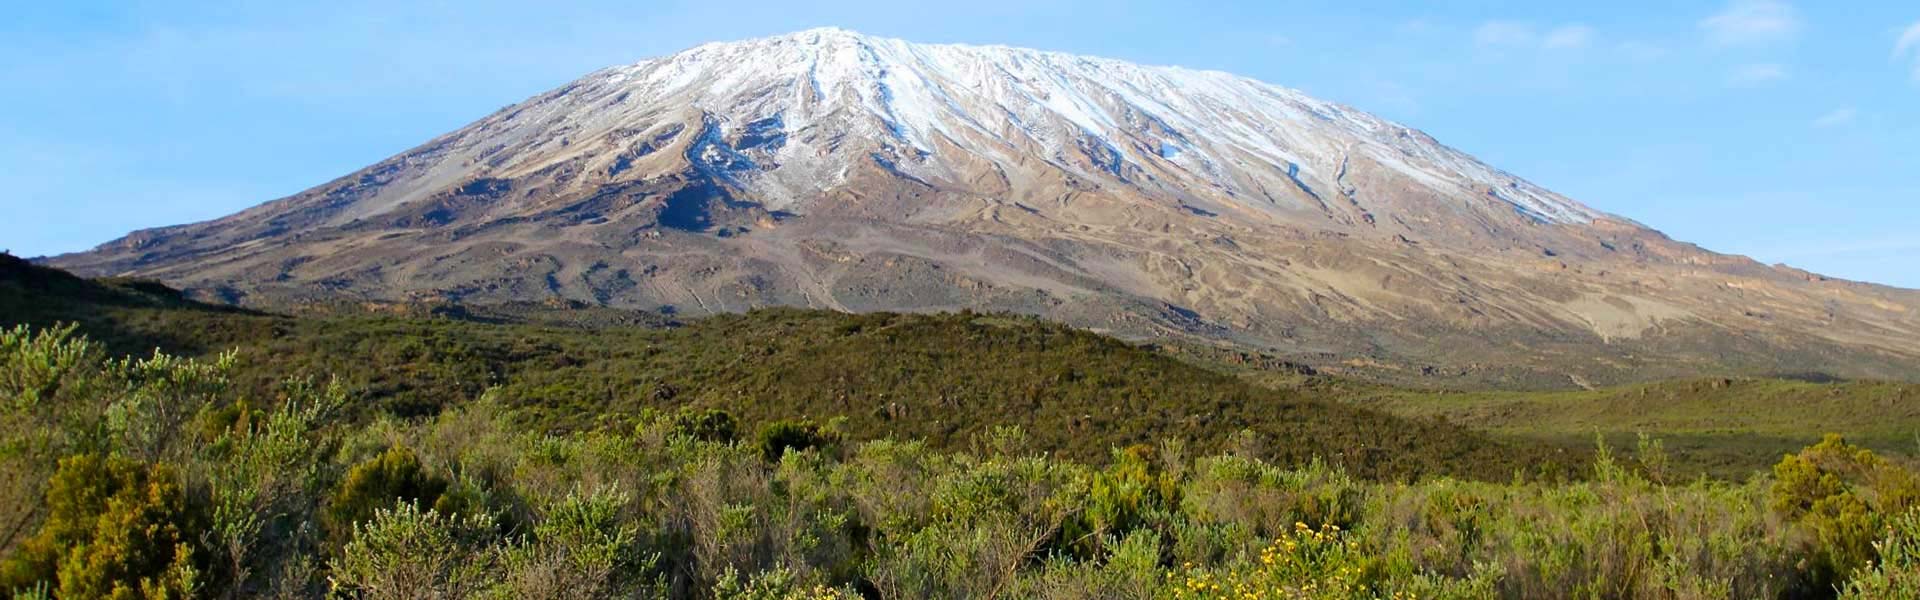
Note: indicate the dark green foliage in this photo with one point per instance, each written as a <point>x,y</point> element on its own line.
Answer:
<point>236,419</point>
<point>1134,490</point>
<point>781,436</point>
<point>706,425</point>
<point>393,477</point>
<point>114,529</point>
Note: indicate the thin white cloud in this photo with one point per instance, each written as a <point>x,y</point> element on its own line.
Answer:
<point>1526,36</point>
<point>1909,46</point>
<point>1568,36</point>
<point>1840,116</point>
<point>1752,22</point>
<point>1505,33</point>
<point>1757,74</point>
<point>1908,40</point>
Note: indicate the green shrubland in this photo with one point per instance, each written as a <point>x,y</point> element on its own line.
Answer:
<point>163,477</point>
<point>948,379</point>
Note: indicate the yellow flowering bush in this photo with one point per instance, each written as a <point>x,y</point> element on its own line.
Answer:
<point>777,584</point>
<point>1321,563</point>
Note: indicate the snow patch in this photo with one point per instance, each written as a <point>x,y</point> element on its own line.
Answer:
<point>1000,104</point>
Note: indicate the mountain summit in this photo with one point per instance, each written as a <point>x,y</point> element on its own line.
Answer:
<point>832,169</point>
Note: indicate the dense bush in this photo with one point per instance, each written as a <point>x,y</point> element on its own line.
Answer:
<point>582,548</point>
<point>1843,496</point>
<point>395,476</point>
<point>407,552</point>
<point>114,529</point>
<point>707,425</point>
<point>779,437</point>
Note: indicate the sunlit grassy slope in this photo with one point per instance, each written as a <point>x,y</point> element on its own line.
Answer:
<point>1727,427</point>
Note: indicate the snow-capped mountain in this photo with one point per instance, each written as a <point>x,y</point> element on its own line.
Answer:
<point>939,113</point>
<point>833,169</point>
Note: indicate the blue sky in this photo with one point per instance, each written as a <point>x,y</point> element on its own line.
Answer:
<point>1785,130</point>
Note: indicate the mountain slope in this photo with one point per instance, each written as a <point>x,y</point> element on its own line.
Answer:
<point>830,169</point>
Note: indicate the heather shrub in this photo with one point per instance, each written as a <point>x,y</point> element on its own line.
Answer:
<point>778,438</point>
<point>1897,572</point>
<point>406,552</point>
<point>1130,570</point>
<point>982,559</point>
<point>1843,496</point>
<point>777,584</point>
<point>49,385</point>
<point>115,528</point>
<point>1268,500</point>
<point>582,549</point>
<point>263,476</point>
<point>710,425</point>
<point>62,396</point>
<point>395,476</point>
<point>887,483</point>
<point>1131,493</point>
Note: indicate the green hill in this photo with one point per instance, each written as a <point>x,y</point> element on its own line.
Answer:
<point>946,378</point>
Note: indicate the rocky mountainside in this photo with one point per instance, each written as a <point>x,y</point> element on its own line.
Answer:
<point>830,169</point>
